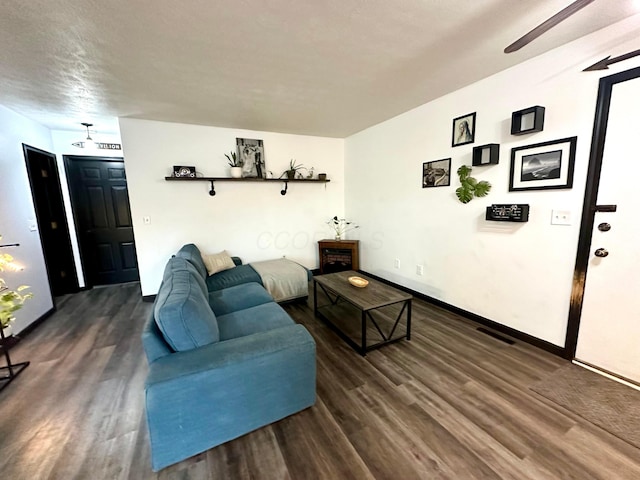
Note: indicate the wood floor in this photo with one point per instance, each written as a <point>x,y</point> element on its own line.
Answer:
<point>453,403</point>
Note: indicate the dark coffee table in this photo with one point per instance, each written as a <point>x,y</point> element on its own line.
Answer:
<point>379,309</point>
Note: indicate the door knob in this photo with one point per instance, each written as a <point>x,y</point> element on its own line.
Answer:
<point>601,252</point>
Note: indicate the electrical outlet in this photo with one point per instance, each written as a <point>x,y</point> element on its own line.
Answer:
<point>560,217</point>
<point>419,269</point>
<point>396,263</point>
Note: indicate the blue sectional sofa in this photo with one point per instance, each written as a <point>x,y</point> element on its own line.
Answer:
<point>221,363</point>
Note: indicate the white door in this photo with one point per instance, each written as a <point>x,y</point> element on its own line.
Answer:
<point>609,334</point>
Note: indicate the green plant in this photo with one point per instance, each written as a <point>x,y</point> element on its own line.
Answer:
<point>294,168</point>
<point>233,159</point>
<point>10,300</point>
<point>469,186</point>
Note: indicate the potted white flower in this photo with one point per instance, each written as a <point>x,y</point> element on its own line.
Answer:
<point>340,226</point>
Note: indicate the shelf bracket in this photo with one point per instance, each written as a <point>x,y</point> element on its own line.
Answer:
<point>284,190</point>
<point>212,192</point>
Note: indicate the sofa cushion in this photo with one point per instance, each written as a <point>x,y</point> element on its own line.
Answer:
<point>192,254</point>
<point>217,262</point>
<point>176,264</point>
<point>253,320</point>
<point>234,276</point>
<point>239,297</point>
<point>183,314</point>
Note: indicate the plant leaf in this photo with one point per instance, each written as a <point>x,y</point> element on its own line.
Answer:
<point>482,188</point>
<point>464,194</point>
<point>464,171</point>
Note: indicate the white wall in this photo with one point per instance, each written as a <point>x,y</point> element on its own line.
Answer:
<point>17,214</point>
<point>519,275</point>
<point>63,145</point>
<point>251,220</point>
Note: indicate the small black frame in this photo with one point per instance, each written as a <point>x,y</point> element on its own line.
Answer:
<point>436,173</point>
<point>488,154</point>
<point>463,130</point>
<point>528,120</point>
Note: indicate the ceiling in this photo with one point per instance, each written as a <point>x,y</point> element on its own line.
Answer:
<point>316,67</point>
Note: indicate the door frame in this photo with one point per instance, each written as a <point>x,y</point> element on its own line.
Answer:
<point>68,160</point>
<point>598,138</point>
<point>74,284</point>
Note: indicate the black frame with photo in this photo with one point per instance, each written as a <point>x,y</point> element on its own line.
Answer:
<point>543,166</point>
<point>470,135</point>
<point>251,157</point>
<point>435,178</point>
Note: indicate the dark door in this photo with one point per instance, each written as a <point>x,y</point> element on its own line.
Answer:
<point>52,220</point>
<point>100,201</point>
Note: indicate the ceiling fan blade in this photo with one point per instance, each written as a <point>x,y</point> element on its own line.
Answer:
<point>547,25</point>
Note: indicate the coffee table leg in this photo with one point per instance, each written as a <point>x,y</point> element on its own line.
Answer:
<point>315,298</point>
<point>409,320</point>
<point>363,350</point>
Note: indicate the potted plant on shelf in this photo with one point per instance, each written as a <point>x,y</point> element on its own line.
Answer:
<point>10,300</point>
<point>235,164</point>
<point>293,169</point>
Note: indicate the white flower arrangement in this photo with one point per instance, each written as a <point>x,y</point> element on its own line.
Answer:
<point>340,226</point>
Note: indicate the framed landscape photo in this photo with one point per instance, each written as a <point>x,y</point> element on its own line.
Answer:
<point>436,173</point>
<point>251,158</point>
<point>464,130</point>
<point>543,166</point>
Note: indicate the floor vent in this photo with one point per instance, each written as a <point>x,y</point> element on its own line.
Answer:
<point>495,335</point>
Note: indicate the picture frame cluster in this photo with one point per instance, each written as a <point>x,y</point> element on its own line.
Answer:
<point>539,166</point>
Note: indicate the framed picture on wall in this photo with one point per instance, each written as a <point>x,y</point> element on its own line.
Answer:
<point>251,157</point>
<point>464,130</point>
<point>543,166</point>
<point>436,173</point>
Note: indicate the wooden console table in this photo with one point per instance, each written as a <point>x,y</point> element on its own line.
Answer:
<point>339,255</point>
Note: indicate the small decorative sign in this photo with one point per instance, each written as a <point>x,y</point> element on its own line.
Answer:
<point>101,146</point>
<point>184,172</point>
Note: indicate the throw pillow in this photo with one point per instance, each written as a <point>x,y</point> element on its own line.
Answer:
<point>218,262</point>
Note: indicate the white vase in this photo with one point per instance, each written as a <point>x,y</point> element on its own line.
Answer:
<point>236,172</point>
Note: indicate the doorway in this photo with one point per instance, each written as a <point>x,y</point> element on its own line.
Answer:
<point>52,220</point>
<point>100,200</point>
<point>603,330</point>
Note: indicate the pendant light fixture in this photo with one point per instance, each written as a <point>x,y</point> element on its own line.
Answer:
<point>88,143</point>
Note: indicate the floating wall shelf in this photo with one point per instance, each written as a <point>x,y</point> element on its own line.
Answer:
<point>488,154</point>
<point>528,120</point>
<point>212,192</point>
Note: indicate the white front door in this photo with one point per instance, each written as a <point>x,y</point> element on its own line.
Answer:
<point>609,334</point>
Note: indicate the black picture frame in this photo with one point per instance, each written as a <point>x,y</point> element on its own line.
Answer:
<point>251,157</point>
<point>463,130</point>
<point>436,173</point>
<point>543,166</point>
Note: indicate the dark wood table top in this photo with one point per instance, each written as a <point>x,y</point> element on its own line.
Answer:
<point>374,295</point>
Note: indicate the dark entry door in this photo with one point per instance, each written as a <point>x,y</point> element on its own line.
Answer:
<point>52,220</point>
<point>100,200</point>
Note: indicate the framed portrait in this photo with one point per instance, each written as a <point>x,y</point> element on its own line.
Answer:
<point>464,130</point>
<point>251,158</point>
<point>436,173</point>
<point>543,166</point>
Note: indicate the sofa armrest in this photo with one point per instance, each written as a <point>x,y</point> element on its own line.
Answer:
<point>198,399</point>
<point>205,360</point>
